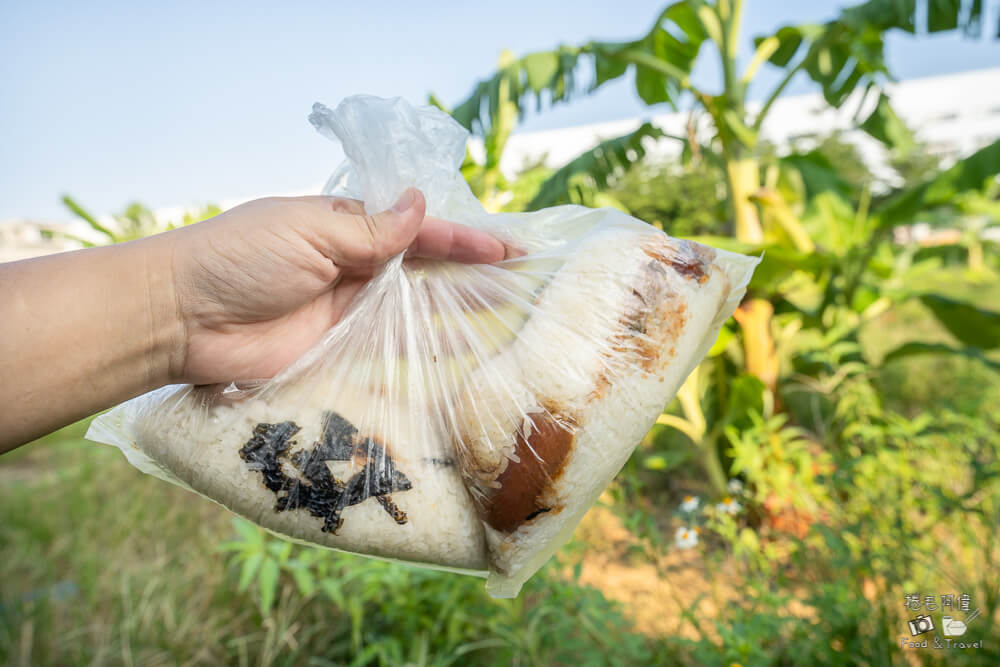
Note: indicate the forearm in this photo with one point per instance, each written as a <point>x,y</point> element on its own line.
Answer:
<point>82,331</point>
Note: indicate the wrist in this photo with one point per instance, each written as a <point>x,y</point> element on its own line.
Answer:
<point>166,332</point>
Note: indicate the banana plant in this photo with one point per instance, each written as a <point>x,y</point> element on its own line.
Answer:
<point>841,56</point>
<point>485,178</point>
<point>819,251</point>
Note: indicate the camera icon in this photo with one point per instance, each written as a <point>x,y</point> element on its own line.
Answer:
<point>921,624</point>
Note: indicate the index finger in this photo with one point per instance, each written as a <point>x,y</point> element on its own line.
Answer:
<point>440,239</point>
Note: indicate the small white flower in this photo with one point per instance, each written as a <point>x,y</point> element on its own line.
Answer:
<point>728,506</point>
<point>690,504</point>
<point>735,486</point>
<point>686,538</point>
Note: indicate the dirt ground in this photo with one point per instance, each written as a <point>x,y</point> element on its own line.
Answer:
<point>654,594</point>
<point>676,593</point>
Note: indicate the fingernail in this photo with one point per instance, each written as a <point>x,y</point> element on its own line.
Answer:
<point>405,201</point>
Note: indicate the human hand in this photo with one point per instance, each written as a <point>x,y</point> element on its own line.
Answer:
<point>258,285</point>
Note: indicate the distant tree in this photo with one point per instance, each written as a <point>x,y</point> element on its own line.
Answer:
<point>847,161</point>
<point>915,165</point>
<point>135,222</point>
<point>682,200</point>
<point>523,188</point>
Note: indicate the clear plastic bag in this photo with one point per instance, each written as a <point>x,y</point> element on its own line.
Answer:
<point>462,417</point>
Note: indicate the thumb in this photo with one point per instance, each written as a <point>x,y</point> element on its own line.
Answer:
<point>375,238</point>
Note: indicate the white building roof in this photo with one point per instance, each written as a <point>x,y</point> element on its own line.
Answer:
<point>954,114</point>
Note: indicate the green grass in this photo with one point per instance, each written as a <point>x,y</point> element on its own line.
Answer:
<point>104,565</point>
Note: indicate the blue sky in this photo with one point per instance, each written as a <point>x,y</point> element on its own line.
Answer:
<point>187,103</point>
